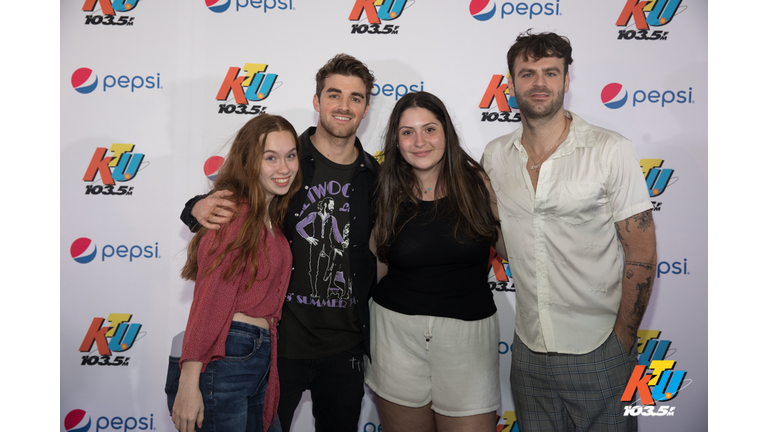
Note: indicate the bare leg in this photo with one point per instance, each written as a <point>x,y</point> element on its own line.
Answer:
<point>477,423</point>
<point>398,418</point>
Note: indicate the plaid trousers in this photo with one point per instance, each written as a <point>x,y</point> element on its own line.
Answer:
<point>572,392</point>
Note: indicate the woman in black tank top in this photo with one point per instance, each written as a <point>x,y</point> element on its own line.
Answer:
<point>436,220</point>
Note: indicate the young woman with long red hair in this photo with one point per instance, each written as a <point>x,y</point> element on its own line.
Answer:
<point>228,378</point>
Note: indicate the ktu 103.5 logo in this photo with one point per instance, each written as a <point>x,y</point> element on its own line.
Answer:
<point>117,337</point>
<point>121,166</point>
<point>646,14</point>
<point>502,111</point>
<point>654,379</point>
<point>109,10</point>
<point>379,13</point>
<point>254,85</point>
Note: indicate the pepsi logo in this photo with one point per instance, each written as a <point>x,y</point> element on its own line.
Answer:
<point>614,96</point>
<point>84,80</point>
<point>217,6</point>
<point>83,250</point>
<point>211,167</point>
<point>77,421</point>
<point>482,10</point>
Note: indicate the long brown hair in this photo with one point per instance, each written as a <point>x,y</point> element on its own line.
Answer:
<point>240,175</point>
<point>460,181</point>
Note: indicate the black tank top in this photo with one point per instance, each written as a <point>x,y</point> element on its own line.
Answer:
<point>432,273</point>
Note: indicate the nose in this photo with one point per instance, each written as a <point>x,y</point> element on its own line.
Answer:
<point>418,140</point>
<point>344,104</point>
<point>282,166</point>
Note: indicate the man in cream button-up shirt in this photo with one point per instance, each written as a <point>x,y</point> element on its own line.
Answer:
<point>580,240</point>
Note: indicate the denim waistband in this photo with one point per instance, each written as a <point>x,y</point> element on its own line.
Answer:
<point>256,331</point>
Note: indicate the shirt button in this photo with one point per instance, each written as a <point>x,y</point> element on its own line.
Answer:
<point>306,187</point>
<point>296,214</point>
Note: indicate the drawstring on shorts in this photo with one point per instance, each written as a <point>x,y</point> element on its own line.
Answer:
<point>428,333</point>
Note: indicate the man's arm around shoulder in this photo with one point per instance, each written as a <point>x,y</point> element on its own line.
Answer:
<point>210,211</point>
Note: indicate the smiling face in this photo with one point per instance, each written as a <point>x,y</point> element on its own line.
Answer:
<point>342,106</point>
<point>539,86</point>
<point>422,140</point>
<point>279,164</point>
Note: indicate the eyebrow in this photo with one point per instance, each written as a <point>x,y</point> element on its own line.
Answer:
<point>275,152</point>
<point>335,90</point>
<point>549,69</point>
<point>411,127</point>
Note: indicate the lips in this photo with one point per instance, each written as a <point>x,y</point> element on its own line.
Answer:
<point>342,118</point>
<point>539,94</point>
<point>282,181</point>
<point>422,153</point>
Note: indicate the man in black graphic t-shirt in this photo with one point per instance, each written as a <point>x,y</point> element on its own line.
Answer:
<point>324,331</point>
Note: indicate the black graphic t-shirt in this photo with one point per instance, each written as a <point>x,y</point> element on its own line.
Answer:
<point>319,312</point>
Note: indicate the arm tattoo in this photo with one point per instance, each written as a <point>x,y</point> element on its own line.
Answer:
<point>644,220</point>
<point>621,238</point>
<point>647,266</point>
<point>643,289</point>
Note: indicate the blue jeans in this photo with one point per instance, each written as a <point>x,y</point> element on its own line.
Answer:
<point>335,383</point>
<point>234,387</point>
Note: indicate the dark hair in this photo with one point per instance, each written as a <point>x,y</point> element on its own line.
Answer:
<point>344,64</point>
<point>240,174</point>
<point>461,181</point>
<point>537,46</point>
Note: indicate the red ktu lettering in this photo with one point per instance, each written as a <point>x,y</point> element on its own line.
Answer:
<point>370,11</point>
<point>101,164</point>
<point>106,6</point>
<point>232,83</point>
<point>495,90</point>
<point>638,381</point>
<point>98,334</point>
<point>633,10</point>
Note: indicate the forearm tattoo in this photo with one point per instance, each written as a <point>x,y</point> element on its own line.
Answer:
<point>646,266</point>
<point>643,291</point>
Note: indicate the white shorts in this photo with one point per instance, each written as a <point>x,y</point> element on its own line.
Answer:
<point>418,359</point>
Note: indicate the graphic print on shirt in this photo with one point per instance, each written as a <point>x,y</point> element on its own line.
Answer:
<point>320,225</point>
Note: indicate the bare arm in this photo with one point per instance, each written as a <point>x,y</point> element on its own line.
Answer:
<point>381,268</point>
<point>188,406</point>
<point>213,210</point>
<point>637,236</point>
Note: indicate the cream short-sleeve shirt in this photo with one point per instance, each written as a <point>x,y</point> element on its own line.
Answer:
<point>561,241</point>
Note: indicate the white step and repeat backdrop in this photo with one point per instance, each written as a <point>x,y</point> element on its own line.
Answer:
<point>152,91</point>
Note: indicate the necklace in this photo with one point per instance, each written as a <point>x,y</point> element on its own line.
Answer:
<point>538,163</point>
